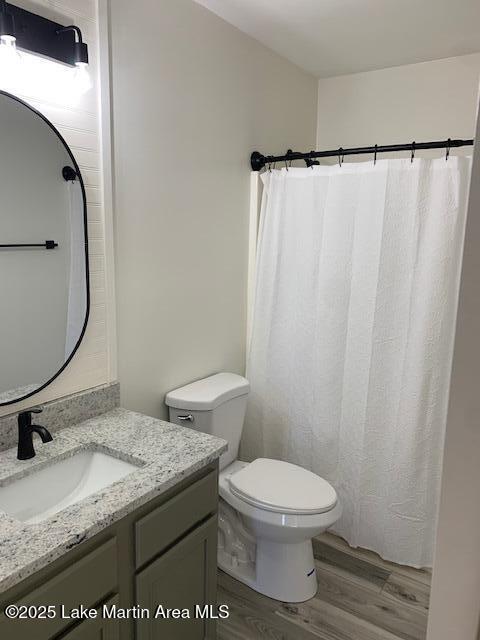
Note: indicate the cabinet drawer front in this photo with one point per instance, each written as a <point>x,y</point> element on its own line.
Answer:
<point>167,523</point>
<point>86,582</point>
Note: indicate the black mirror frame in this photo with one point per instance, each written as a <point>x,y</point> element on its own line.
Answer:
<point>85,227</point>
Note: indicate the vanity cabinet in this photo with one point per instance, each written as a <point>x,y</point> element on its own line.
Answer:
<point>161,554</point>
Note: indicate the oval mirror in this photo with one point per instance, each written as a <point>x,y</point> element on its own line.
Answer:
<point>44,290</point>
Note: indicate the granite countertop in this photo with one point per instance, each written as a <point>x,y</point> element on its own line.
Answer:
<point>166,452</point>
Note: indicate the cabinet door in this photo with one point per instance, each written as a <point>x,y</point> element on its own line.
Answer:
<point>97,629</point>
<point>184,578</point>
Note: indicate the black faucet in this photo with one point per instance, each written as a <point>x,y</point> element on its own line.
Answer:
<point>25,433</point>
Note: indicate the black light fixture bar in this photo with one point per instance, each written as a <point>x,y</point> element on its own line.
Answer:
<point>48,244</point>
<point>258,161</point>
<point>42,36</point>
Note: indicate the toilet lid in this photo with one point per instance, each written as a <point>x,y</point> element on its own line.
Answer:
<point>283,487</point>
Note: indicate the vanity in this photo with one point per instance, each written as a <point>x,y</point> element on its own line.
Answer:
<point>130,551</point>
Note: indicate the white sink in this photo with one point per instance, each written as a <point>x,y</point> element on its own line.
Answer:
<point>41,494</point>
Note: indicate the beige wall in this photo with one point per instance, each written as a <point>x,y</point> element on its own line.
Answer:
<point>427,101</point>
<point>192,97</point>
<point>455,598</point>
<point>80,123</point>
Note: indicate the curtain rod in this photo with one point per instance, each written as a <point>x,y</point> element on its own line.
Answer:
<point>258,160</point>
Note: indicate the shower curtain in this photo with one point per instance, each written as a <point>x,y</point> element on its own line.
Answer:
<point>358,272</point>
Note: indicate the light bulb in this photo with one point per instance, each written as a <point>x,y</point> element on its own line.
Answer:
<point>8,41</point>
<point>9,61</point>
<point>81,78</point>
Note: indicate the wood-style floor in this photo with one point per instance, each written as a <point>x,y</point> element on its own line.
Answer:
<point>360,597</point>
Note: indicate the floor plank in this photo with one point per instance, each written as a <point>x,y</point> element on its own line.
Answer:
<point>248,621</point>
<point>407,591</point>
<point>422,575</point>
<point>377,609</point>
<point>351,566</point>
<point>230,587</point>
<point>323,618</point>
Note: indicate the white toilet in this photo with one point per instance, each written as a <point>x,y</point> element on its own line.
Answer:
<point>269,510</point>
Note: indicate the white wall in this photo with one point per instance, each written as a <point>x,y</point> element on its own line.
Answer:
<point>81,125</point>
<point>455,597</point>
<point>427,101</point>
<point>192,97</point>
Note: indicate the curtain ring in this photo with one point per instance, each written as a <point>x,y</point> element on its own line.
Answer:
<point>375,155</point>
<point>289,159</point>
<point>340,156</point>
<point>413,152</point>
<point>310,160</point>
<point>447,153</point>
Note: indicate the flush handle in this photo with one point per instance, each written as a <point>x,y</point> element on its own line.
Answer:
<point>188,418</point>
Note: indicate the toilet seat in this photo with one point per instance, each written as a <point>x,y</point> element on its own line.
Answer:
<point>282,487</point>
<point>268,517</point>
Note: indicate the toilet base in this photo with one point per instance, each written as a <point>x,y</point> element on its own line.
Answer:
<point>284,572</point>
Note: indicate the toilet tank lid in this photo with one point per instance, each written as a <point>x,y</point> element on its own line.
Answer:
<point>208,393</point>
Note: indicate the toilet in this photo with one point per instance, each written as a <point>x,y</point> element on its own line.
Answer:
<point>269,509</point>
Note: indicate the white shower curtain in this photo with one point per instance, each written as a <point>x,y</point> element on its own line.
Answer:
<point>352,338</point>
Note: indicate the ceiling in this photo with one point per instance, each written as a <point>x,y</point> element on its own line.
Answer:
<point>335,37</point>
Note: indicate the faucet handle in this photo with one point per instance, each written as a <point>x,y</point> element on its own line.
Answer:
<point>25,417</point>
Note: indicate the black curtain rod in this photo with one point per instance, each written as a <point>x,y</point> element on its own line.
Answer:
<point>258,160</point>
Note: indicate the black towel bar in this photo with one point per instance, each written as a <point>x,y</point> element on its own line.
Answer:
<point>48,244</point>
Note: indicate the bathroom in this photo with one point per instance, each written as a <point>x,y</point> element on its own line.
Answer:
<point>249,325</point>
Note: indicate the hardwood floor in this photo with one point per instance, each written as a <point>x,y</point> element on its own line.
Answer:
<point>360,597</point>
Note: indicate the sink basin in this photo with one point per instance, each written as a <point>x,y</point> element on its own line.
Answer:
<point>41,494</point>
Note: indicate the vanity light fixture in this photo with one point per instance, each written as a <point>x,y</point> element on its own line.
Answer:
<point>26,31</point>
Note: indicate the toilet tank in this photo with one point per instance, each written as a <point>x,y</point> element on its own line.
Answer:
<point>214,405</point>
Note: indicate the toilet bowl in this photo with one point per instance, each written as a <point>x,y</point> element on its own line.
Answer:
<point>269,509</point>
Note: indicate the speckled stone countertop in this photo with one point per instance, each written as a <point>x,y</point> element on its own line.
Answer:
<point>166,452</point>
